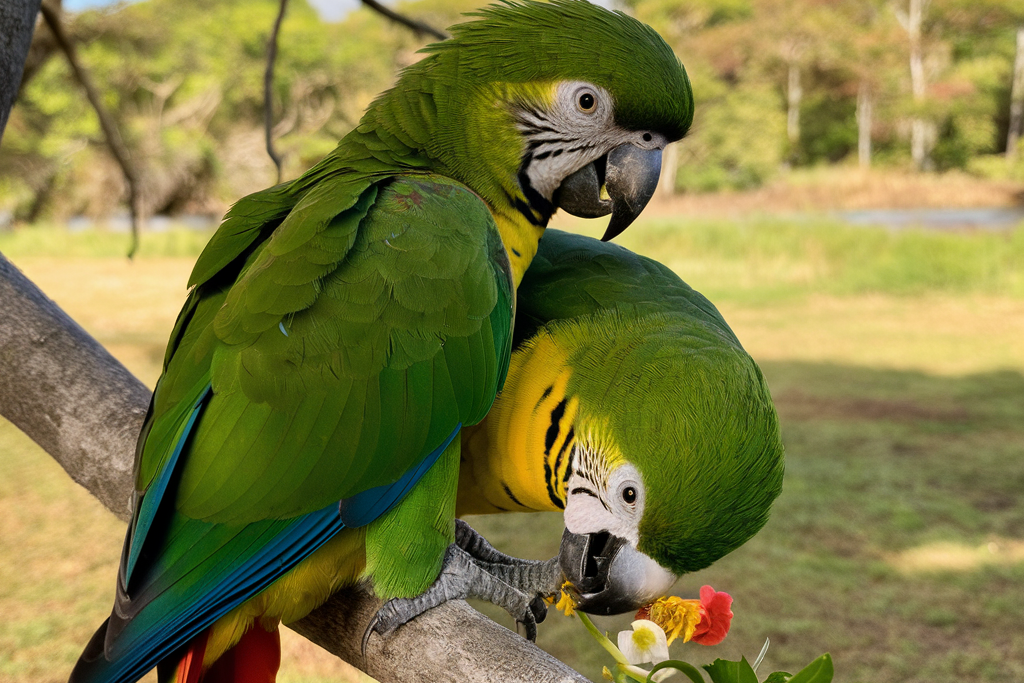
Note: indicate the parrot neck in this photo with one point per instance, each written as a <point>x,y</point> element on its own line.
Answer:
<point>521,240</point>
<point>463,136</point>
<point>520,457</point>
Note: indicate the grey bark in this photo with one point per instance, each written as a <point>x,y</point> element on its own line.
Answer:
<point>59,386</point>
<point>1016,128</point>
<point>17,22</point>
<point>68,394</point>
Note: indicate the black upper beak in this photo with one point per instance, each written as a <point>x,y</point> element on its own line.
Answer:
<point>594,564</point>
<point>629,173</point>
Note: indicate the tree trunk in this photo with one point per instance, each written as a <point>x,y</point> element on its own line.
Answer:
<point>1016,128</point>
<point>17,22</point>
<point>864,125</point>
<point>69,395</point>
<point>669,170</point>
<point>794,93</point>
<point>921,130</point>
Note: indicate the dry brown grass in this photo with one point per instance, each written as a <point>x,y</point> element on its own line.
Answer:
<point>839,188</point>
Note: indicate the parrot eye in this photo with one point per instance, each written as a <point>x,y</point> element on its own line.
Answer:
<point>586,102</point>
<point>629,495</point>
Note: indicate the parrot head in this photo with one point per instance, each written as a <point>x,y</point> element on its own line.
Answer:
<point>677,457</point>
<point>539,106</point>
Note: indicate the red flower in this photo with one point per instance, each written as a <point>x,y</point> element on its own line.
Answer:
<point>715,617</point>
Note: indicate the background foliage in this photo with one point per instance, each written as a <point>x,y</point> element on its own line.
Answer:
<point>184,80</point>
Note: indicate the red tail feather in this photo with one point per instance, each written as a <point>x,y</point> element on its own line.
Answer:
<point>255,659</point>
<point>190,668</point>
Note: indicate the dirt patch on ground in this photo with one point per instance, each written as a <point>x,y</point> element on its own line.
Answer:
<point>799,406</point>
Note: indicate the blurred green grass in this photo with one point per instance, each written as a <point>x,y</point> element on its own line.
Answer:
<point>761,259</point>
<point>897,364</point>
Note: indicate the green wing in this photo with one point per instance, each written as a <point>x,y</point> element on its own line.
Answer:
<point>343,343</point>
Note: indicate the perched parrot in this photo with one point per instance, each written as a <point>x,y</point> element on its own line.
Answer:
<point>343,328</point>
<point>630,405</point>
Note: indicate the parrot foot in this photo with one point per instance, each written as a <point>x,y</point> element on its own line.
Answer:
<point>472,568</point>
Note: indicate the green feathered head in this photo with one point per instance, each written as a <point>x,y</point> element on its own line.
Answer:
<point>677,454</point>
<point>538,106</point>
<point>546,42</point>
<point>690,411</point>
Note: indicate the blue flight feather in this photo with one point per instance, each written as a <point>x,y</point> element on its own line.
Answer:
<point>151,499</point>
<point>368,505</point>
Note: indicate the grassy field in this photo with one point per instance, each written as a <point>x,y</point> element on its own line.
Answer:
<point>896,360</point>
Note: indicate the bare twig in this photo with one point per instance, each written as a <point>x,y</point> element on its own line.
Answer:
<point>114,141</point>
<point>268,89</point>
<point>68,394</point>
<point>419,27</point>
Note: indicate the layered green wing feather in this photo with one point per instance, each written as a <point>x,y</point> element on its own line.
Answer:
<point>341,350</point>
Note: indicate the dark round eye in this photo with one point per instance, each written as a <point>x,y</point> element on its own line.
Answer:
<point>647,137</point>
<point>629,495</point>
<point>587,102</point>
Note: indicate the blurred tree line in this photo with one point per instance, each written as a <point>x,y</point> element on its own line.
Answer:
<point>906,83</point>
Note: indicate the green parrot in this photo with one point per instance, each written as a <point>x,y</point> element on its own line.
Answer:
<point>343,328</point>
<point>630,405</point>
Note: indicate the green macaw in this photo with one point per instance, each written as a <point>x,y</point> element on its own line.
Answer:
<point>630,405</point>
<point>342,328</point>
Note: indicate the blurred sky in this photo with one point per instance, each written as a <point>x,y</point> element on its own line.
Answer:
<point>331,10</point>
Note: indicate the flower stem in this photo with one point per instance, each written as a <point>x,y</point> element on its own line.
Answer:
<point>602,640</point>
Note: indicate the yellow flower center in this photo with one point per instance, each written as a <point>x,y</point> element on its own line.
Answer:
<point>678,617</point>
<point>644,639</point>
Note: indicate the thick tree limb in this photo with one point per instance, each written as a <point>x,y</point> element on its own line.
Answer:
<point>268,89</point>
<point>65,391</point>
<point>17,21</point>
<point>114,142</point>
<point>421,28</point>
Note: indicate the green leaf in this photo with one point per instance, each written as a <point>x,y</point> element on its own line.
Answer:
<point>779,677</point>
<point>690,670</point>
<point>724,671</point>
<point>818,671</point>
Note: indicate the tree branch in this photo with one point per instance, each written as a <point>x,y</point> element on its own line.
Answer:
<point>419,27</point>
<point>114,142</point>
<point>17,21</point>
<point>69,395</point>
<point>268,89</point>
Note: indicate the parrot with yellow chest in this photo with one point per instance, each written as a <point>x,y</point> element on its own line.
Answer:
<point>343,328</point>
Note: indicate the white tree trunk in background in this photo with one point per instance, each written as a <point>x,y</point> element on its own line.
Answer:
<point>669,169</point>
<point>1016,100</point>
<point>922,131</point>
<point>794,93</point>
<point>864,125</point>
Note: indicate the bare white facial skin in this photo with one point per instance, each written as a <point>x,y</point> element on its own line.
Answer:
<point>616,506</point>
<point>578,128</point>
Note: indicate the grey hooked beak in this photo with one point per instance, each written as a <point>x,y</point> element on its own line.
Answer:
<point>611,576</point>
<point>629,173</point>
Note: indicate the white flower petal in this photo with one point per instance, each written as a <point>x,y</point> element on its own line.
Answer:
<point>630,651</point>
<point>645,643</point>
